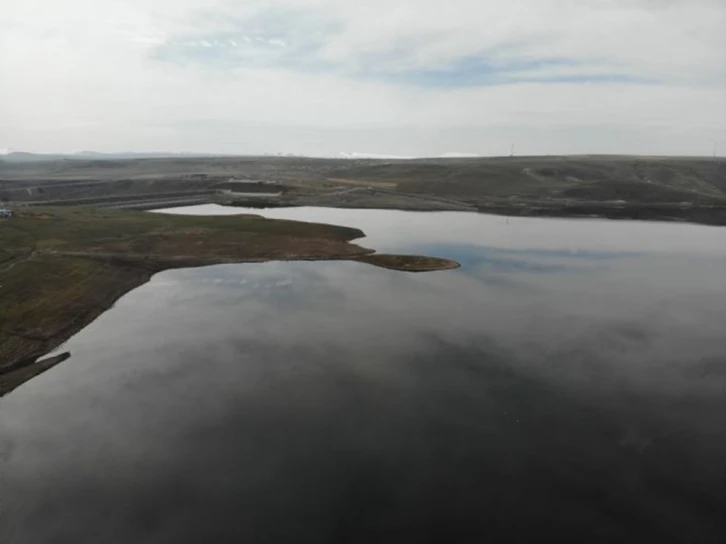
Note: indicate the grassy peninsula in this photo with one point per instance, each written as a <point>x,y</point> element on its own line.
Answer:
<point>409,263</point>
<point>62,267</point>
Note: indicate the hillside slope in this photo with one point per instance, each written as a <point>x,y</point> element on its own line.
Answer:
<point>555,183</point>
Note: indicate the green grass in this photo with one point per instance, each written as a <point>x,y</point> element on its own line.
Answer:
<point>131,234</point>
<point>78,229</point>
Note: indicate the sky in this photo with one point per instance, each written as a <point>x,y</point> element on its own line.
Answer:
<point>357,78</point>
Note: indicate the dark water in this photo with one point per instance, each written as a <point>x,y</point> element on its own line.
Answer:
<point>567,384</point>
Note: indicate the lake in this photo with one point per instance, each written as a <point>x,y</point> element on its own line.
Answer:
<point>568,383</point>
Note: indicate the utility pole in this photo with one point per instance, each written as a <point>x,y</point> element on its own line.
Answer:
<point>511,151</point>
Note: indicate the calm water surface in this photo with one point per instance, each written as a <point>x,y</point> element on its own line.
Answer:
<point>568,383</point>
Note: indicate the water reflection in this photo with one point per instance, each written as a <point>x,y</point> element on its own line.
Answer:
<point>533,394</point>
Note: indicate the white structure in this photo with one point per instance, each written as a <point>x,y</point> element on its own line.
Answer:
<point>5,213</point>
<point>253,181</point>
<point>233,193</point>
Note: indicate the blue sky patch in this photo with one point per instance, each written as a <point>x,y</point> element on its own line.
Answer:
<point>295,41</point>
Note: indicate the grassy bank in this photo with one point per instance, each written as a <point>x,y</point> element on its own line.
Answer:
<point>61,267</point>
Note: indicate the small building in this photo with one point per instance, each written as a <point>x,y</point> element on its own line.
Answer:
<point>5,213</point>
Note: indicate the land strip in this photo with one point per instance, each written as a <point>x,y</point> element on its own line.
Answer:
<point>618,187</point>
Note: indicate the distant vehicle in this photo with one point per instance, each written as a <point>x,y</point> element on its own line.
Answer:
<point>5,213</point>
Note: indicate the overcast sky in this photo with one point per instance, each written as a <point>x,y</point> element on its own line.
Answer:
<point>393,77</point>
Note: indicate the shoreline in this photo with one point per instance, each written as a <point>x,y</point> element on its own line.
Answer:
<point>19,371</point>
<point>714,216</point>
<point>61,268</point>
<point>681,189</point>
<point>666,213</point>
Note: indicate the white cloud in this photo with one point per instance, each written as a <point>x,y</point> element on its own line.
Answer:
<point>87,74</point>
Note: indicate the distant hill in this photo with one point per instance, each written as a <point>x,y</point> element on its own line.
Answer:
<point>668,188</point>
<point>23,156</point>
